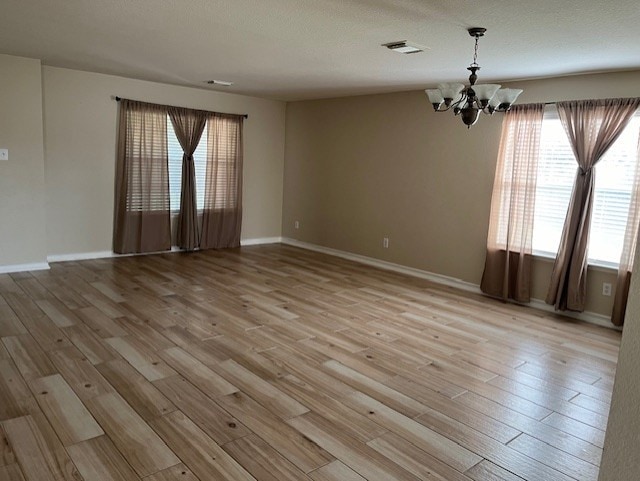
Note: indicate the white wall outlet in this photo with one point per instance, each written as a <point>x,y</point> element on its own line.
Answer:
<point>606,289</point>
<point>296,224</point>
<point>4,154</point>
<point>385,242</point>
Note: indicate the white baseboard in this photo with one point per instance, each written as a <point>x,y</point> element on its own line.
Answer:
<point>83,256</point>
<point>587,316</point>
<point>389,266</point>
<point>260,241</point>
<point>36,266</point>
<point>87,256</point>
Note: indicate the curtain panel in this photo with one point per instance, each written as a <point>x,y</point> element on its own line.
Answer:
<point>507,272</point>
<point>628,250</point>
<point>222,213</point>
<point>188,125</point>
<point>592,127</point>
<point>142,213</point>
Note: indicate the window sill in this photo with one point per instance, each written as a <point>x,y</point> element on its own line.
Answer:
<point>593,265</point>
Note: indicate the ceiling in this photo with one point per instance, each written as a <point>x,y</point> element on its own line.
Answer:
<point>303,49</point>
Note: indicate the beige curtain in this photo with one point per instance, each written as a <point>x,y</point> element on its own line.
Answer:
<point>628,250</point>
<point>592,127</point>
<point>507,270</point>
<point>188,125</point>
<point>141,214</point>
<point>222,216</point>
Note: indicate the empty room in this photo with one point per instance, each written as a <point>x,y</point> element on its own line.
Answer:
<point>330,240</point>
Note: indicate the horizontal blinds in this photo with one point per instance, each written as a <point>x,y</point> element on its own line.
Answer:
<point>556,174</point>
<point>614,183</point>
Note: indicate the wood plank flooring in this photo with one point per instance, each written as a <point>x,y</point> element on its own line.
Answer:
<point>275,363</point>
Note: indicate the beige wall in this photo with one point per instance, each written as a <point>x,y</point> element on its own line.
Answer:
<point>620,460</point>
<point>80,119</point>
<point>361,168</point>
<point>22,217</point>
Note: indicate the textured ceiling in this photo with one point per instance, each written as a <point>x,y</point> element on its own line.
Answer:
<point>301,49</point>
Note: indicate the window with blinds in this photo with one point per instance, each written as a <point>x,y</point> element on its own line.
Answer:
<point>222,192</point>
<point>556,174</point>
<point>175,168</point>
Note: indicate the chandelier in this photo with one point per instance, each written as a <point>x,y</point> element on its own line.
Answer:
<point>469,101</point>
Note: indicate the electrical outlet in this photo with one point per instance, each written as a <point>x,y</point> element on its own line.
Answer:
<point>385,242</point>
<point>296,224</point>
<point>606,289</point>
<point>4,154</point>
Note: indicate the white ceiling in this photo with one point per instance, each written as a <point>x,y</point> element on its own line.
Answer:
<point>302,49</point>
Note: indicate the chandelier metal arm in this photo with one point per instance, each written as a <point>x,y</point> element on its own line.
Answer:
<point>445,107</point>
<point>486,109</point>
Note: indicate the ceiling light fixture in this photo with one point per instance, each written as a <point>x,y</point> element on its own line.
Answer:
<point>469,101</point>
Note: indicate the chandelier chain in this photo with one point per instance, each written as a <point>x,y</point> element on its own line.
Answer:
<point>475,54</point>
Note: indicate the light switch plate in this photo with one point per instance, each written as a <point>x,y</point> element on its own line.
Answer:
<point>4,154</point>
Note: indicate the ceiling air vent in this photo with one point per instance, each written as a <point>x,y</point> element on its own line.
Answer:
<point>223,83</point>
<point>404,46</point>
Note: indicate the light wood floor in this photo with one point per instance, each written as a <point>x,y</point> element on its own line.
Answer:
<point>280,364</point>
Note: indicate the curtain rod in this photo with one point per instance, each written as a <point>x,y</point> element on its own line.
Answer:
<point>557,101</point>
<point>246,116</point>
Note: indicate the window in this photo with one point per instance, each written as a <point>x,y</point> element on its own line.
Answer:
<point>175,168</point>
<point>556,174</point>
<point>223,195</point>
<point>149,183</point>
